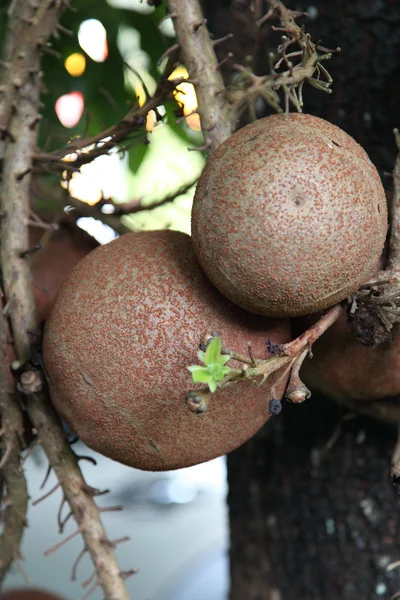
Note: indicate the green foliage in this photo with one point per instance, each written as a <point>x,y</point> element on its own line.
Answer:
<point>137,153</point>
<point>214,369</point>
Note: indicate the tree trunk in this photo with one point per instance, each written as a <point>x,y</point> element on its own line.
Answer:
<point>313,513</point>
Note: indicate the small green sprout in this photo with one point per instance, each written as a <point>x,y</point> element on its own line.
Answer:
<point>214,369</point>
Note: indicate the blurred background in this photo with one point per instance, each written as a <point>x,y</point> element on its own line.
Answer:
<point>177,522</point>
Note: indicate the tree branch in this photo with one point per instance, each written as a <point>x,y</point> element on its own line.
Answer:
<point>79,496</point>
<point>15,206</point>
<point>12,429</point>
<point>109,138</point>
<point>31,25</point>
<point>201,62</point>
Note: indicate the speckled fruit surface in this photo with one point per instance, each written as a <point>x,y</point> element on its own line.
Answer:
<point>28,594</point>
<point>289,216</point>
<point>65,247</point>
<point>125,326</point>
<point>359,376</point>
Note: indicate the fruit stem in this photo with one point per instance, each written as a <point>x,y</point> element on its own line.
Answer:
<point>291,354</point>
<point>307,338</point>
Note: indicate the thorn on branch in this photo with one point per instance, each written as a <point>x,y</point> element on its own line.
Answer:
<point>181,119</point>
<point>59,520</point>
<point>169,16</point>
<point>197,26</point>
<point>89,580</point>
<point>90,459</point>
<point>227,58</point>
<point>116,508</point>
<point>47,495</point>
<point>167,53</point>
<point>46,49</point>
<point>61,544</point>
<point>19,176</point>
<point>35,121</point>
<point>221,40</point>
<point>76,563</point>
<point>30,451</point>
<point>114,543</point>
<point>91,491</point>
<point>63,29</point>
<point>91,590</point>
<point>22,572</point>
<point>30,250</point>
<point>265,18</point>
<point>126,574</point>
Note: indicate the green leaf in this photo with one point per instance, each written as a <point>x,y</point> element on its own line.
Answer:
<point>202,376</point>
<point>194,368</point>
<point>223,359</point>
<point>201,356</point>
<point>224,371</point>
<point>137,154</point>
<point>212,385</point>
<point>213,351</point>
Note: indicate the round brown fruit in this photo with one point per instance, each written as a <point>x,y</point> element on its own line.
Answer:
<point>62,250</point>
<point>289,216</point>
<point>365,378</point>
<point>124,329</point>
<point>28,594</point>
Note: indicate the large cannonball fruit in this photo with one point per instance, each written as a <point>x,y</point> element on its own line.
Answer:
<point>365,378</point>
<point>289,216</point>
<point>63,249</point>
<point>124,327</point>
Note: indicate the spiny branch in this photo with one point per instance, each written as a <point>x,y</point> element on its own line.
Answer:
<point>31,25</point>
<point>16,498</point>
<point>249,87</point>
<point>200,59</point>
<point>83,150</point>
<point>18,159</point>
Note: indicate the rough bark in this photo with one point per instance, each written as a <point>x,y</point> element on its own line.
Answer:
<point>313,513</point>
<point>307,521</point>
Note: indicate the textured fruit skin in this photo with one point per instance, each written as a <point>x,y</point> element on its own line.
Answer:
<point>289,216</point>
<point>357,375</point>
<point>28,594</point>
<point>65,247</point>
<point>125,326</point>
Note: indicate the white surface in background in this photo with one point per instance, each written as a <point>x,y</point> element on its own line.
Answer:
<point>178,548</point>
<point>100,231</point>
